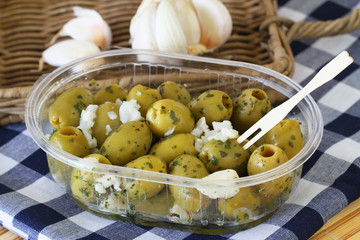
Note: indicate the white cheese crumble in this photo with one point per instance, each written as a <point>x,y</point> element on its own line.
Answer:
<point>221,131</point>
<point>138,93</point>
<point>200,127</point>
<point>112,115</point>
<point>87,122</point>
<point>118,101</point>
<point>227,191</point>
<point>168,133</point>
<point>107,181</point>
<point>108,129</point>
<point>129,111</point>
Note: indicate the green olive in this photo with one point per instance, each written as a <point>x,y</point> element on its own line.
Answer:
<point>265,158</point>
<point>67,107</point>
<point>174,91</point>
<point>128,142</point>
<point>110,93</point>
<point>144,96</point>
<point>71,140</point>
<point>167,117</point>
<point>107,119</point>
<point>243,207</point>
<point>249,106</point>
<point>286,135</point>
<point>139,189</point>
<point>218,155</point>
<point>214,105</point>
<point>82,182</point>
<point>174,145</point>
<point>188,198</point>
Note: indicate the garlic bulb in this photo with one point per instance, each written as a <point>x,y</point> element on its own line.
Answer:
<point>87,26</point>
<point>182,26</point>
<point>66,51</point>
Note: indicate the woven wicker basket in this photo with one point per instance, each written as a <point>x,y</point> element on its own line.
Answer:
<point>259,36</point>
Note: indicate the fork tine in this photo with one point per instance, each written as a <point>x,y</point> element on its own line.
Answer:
<point>248,133</point>
<point>254,139</point>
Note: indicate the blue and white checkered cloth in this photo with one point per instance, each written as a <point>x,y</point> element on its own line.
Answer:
<point>35,207</point>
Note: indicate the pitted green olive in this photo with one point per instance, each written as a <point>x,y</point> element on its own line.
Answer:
<point>286,135</point>
<point>249,106</point>
<point>139,189</point>
<point>188,198</point>
<point>174,91</point>
<point>128,142</point>
<point>107,119</point>
<point>110,93</point>
<point>214,105</point>
<point>166,117</point>
<point>71,140</point>
<point>243,207</point>
<point>265,158</point>
<point>218,155</point>
<point>174,145</point>
<point>67,107</point>
<point>144,96</point>
<point>82,182</point>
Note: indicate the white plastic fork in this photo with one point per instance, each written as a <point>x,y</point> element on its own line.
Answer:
<point>327,73</point>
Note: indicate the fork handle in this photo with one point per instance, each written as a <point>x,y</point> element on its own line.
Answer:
<point>327,73</point>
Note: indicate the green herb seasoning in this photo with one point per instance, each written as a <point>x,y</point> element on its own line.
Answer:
<point>173,117</point>
<point>79,106</point>
<point>109,89</point>
<point>214,160</point>
<point>223,154</point>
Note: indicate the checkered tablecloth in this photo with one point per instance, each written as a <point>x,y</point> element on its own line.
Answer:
<point>35,207</point>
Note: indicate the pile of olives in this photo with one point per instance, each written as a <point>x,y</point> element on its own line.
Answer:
<point>162,142</point>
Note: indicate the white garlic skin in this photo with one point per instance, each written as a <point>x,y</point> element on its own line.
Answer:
<point>88,26</point>
<point>66,51</point>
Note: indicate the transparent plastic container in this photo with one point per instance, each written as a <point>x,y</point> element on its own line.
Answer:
<point>196,212</point>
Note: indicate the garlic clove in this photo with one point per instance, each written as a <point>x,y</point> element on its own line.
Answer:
<point>230,189</point>
<point>186,13</point>
<point>215,22</point>
<point>67,51</point>
<point>142,26</point>
<point>88,26</point>
<point>169,34</point>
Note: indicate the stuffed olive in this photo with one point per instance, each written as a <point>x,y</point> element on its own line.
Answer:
<point>286,135</point>
<point>166,117</point>
<point>174,145</point>
<point>218,155</point>
<point>71,140</point>
<point>139,189</point>
<point>82,182</point>
<point>243,207</point>
<point>110,93</point>
<point>174,91</point>
<point>265,158</point>
<point>107,119</point>
<point>214,105</point>
<point>188,198</point>
<point>249,106</point>
<point>128,142</point>
<point>67,107</point>
<point>144,96</point>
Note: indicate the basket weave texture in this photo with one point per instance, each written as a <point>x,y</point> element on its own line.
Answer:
<point>259,36</point>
